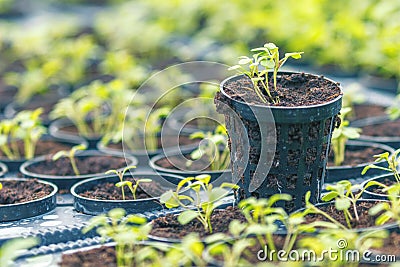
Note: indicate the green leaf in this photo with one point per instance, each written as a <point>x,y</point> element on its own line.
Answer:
<point>342,203</point>
<point>331,195</point>
<point>378,208</point>
<point>187,216</point>
<point>217,193</point>
<point>136,219</point>
<point>203,178</point>
<point>383,218</point>
<point>244,61</point>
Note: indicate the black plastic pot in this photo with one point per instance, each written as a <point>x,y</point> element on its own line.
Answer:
<point>12,212</point>
<point>252,129</point>
<point>14,165</point>
<point>380,83</point>
<point>393,141</point>
<point>337,173</point>
<point>143,156</point>
<point>66,182</point>
<point>96,206</point>
<point>368,193</point>
<point>3,169</point>
<point>56,130</point>
<point>217,177</point>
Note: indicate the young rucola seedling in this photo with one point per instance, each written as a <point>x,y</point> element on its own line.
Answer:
<point>262,216</point>
<point>389,210</point>
<point>203,209</point>
<point>121,184</point>
<point>70,155</point>
<point>126,232</point>
<point>341,135</point>
<point>391,160</point>
<point>27,127</point>
<point>343,193</point>
<point>266,57</point>
<point>214,147</point>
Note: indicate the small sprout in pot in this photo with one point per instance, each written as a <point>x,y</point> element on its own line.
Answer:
<point>214,147</point>
<point>25,126</point>
<point>392,164</point>
<point>266,57</point>
<point>203,208</point>
<point>388,210</point>
<point>70,155</point>
<point>340,136</point>
<point>121,184</point>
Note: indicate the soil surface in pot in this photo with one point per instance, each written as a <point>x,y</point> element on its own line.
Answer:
<point>108,191</point>
<point>295,89</point>
<point>387,128</point>
<point>85,165</point>
<point>169,227</point>
<point>14,192</point>
<point>365,220</point>
<point>176,163</point>
<point>361,111</point>
<point>100,257</point>
<point>43,147</point>
<point>379,190</point>
<point>167,140</point>
<point>355,157</point>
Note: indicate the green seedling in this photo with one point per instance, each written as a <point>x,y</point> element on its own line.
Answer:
<point>71,156</point>
<point>121,184</point>
<point>214,147</point>
<point>126,231</point>
<point>345,196</point>
<point>203,209</point>
<point>341,135</point>
<point>388,210</point>
<point>262,216</point>
<point>13,248</point>
<point>345,242</point>
<point>392,164</point>
<point>27,127</point>
<point>266,57</point>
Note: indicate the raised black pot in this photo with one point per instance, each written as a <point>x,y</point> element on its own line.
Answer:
<point>56,130</point>
<point>380,83</point>
<point>393,141</point>
<point>337,173</point>
<point>96,206</point>
<point>12,212</point>
<point>66,182</point>
<point>261,134</point>
<point>3,169</point>
<point>217,177</point>
<point>14,165</point>
<point>368,193</point>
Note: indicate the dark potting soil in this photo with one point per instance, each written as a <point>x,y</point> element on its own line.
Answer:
<point>387,128</point>
<point>167,140</point>
<point>365,220</point>
<point>108,191</point>
<point>175,163</point>
<point>85,165</point>
<point>99,257</point>
<point>43,147</point>
<point>23,191</point>
<point>298,89</point>
<point>169,227</point>
<point>379,190</point>
<point>355,157</point>
<point>361,111</point>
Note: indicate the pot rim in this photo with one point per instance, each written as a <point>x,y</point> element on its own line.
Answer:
<point>361,143</point>
<point>76,195</point>
<point>55,190</point>
<point>154,166</point>
<point>3,169</point>
<point>85,153</point>
<point>282,107</point>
